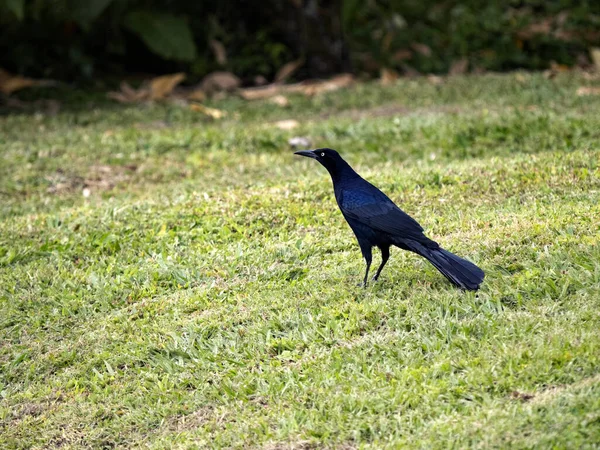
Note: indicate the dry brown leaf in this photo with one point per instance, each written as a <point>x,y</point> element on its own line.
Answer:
<point>595,54</point>
<point>118,96</point>
<point>10,83</point>
<point>219,50</point>
<point>280,100</point>
<point>287,124</point>
<point>318,87</point>
<point>127,94</point>
<point>261,92</point>
<point>311,87</point>
<point>388,76</point>
<point>287,70</point>
<point>459,67</point>
<point>210,112</point>
<point>588,90</point>
<point>197,95</point>
<point>162,86</point>
<point>220,82</point>
<point>132,93</point>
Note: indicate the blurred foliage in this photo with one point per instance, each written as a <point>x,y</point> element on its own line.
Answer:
<point>78,39</point>
<point>430,36</point>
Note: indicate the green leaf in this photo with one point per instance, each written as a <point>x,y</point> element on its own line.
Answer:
<point>84,12</point>
<point>17,7</point>
<point>166,35</point>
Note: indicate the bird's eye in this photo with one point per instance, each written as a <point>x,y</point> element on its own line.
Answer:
<point>323,154</point>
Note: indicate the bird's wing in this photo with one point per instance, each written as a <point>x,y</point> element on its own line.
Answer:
<point>380,213</point>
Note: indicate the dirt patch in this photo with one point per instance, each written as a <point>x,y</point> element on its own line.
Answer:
<point>98,178</point>
<point>68,438</point>
<point>33,410</point>
<point>305,445</point>
<point>185,422</point>
<point>551,392</point>
<point>521,396</point>
<point>299,445</point>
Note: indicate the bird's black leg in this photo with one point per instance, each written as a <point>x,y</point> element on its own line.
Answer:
<point>366,251</point>
<point>385,255</point>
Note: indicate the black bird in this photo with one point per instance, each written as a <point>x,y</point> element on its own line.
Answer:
<point>378,222</point>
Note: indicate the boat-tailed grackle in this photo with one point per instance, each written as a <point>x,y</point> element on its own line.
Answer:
<point>378,222</point>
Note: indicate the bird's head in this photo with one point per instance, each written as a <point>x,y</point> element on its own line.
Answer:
<point>328,157</point>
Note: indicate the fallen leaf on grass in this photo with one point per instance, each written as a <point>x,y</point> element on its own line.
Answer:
<point>287,70</point>
<point>196,95</point>
<point>307,88</point>
<point>10,83</point>
<point>157,88</point>
<point>127,94</point>
<point>587,90</point>
<point>388,76</point>
<point>286,124</point>
<point>261,92</point>
<point>162,86</point>
<point>210,112</point>
<point>318,87</point>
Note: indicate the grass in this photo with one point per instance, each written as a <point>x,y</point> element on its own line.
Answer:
<point>205,293</point>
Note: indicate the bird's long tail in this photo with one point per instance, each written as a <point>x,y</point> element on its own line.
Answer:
<point>459,271</point>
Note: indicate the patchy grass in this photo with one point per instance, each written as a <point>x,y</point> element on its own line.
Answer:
<point>204,293</point>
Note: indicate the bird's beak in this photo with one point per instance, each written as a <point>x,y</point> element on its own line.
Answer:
<point>307,153</point>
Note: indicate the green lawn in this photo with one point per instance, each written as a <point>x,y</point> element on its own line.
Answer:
<point>204,294</point>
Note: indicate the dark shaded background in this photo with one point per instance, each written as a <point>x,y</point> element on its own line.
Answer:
<point>87,40</point>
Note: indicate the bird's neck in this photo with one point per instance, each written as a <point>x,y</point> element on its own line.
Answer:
<point>342,171</point>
